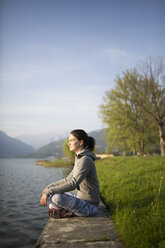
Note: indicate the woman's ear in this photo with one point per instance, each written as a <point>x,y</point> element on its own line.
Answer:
<point>81,142</point>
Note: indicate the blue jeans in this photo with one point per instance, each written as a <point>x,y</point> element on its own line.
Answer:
<point>72,203</point>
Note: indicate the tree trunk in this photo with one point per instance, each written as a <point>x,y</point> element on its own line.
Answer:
<point>123,153</point>
<point>142,148</point>
<point>162,139</point>
<point>134,150</point>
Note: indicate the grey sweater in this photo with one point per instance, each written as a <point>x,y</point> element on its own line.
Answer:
<point>83,177</point>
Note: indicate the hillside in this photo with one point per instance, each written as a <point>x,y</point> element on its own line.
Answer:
<point>11,147</point>
<point>42,139</point>
<point>100,140</point>
<point>52,149</point>
<point>56,148</point>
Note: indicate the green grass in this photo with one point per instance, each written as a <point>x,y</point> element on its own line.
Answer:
<point>133,188</point>
<point>57,163</point>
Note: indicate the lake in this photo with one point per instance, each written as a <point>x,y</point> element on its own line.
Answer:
<point>22,217</point>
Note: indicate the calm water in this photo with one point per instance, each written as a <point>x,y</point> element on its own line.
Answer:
<point>22,218</point>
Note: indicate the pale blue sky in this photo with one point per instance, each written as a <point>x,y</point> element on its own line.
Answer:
<point>58,57</point>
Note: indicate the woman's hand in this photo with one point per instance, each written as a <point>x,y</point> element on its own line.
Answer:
<point>44,190</point>
<point>43,200</point>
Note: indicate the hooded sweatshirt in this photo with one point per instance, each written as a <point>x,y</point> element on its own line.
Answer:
<point>83,177</point>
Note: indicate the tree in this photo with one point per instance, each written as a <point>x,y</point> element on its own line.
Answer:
<point>67,152</point>
<point>151,95</point>
<point>129,127</point>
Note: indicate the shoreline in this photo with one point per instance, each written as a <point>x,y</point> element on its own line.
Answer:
<point>59,163</point>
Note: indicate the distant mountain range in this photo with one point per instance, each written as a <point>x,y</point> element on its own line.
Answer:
<point>11,147</point>
<point>38,140</point>
<point>55,149</point>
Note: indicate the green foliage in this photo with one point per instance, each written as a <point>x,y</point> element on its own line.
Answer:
<point>135,111</point>
<point>133,190</point>
<point>130,129</point>
<point>67,151</point>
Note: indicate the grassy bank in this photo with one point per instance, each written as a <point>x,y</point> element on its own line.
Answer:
<point>133,189</point>
<point>57,163</point>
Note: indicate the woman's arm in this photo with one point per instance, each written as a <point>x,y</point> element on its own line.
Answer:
<point>62,182</point>
<point>58,183</point>
<point>75,178</point>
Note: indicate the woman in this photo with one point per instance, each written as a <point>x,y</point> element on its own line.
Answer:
<point>82,179</point>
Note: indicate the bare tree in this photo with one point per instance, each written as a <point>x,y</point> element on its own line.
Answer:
<point>152,95</point>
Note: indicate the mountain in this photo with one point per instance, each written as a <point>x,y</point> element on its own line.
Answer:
<point>11,147</point>
<point>55,149</point>
<point>98,135</point>
<point>38,140</point>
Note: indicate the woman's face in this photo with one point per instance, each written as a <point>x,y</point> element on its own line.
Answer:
<point>74,144</point>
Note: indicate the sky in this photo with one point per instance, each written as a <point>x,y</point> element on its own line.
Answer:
<point>59,57</point>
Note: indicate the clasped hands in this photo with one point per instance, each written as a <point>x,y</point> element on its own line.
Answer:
<point>43,199</point>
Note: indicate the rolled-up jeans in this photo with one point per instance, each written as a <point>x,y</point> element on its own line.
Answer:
<point>72,203</point>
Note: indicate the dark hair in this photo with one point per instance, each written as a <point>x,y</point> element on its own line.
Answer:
<point>89,142</point>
